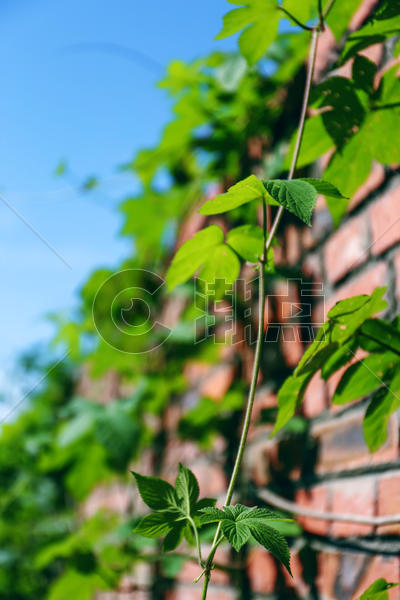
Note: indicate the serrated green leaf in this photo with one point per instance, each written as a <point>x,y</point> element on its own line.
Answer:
<point>247,241</point>
<point>193,254</point>
<point>303,10</point>
<point>187,489</point>
<point>272,541</point>
<point>257,38</point>
<point>378,590</point>
<point>236,532</point>
<point>244,191</point>
<point>363,377</point>
<point>154,525</point>
<point>297,196</point>
<point>205,503</point>
<point>290,396</point>
<point>324,187</point>
<point>155,492</point>
<point>235,20</point>
<point>212,515</point>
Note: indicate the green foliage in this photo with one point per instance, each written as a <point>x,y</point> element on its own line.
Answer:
<point>348,328</point>
<point>378,590</point>
<point>239,522</point>
<point>259,19</point>
<point>178,508</point>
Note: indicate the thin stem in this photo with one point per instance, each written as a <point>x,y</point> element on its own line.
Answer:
<point>300,131</point>
<point>196,537</point>
<point>321,16</point>
<point>261,306</point>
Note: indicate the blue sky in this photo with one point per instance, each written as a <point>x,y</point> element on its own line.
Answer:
<point>67,95</point>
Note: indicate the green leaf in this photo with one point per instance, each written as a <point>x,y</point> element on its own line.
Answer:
<point>340,16</point>
<point>220,272</point>
<point>324,187</point>
<point>297,196</point>
<point>272,541</point>
<point>193,254</point>
<point>378,590</point>
<point>244,191</point>
<point>174,537</point>
<point>80,586</point>
<point>383,333</point>
<point>384,402</point>
<point>155,492</point>
<point>154,525</point>
<point>290,396</point>
<point>363,73</point>
<point>303,10</point>
<point>212,515</point>
<point>247,241</point>
<point>187,489</point>
<point>236,532</point>
<point>260,20</point>
<point>363,377</point>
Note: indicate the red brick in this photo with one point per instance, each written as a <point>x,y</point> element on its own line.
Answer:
<point>389,501</point>
<point>218,382</point>
<point>316,498</point>
<point>297,581</point>
<point>262,571</point>
<point>397,271</point>
<point>264,400</point>
<point>292,244</point>
<point>346,248</point>
<point>375,179</point>
<point>365,283</point>
<point>381,566</point>
<point>194,371</point>
<point>258,457</point>
<point>327,574</point>
<point>314,402</point>
<point>385,222</point>
<point>353,496</point>
<point>342,445</point>
<point>312,268</point>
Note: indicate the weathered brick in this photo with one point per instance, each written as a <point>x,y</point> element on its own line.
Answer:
<point>353,496</point>
<point>346,248</point>
<point>262,572</point>
<point>328,565</point>
<point>315,498</point>
<point>389,501</point>
<point>384,221</point>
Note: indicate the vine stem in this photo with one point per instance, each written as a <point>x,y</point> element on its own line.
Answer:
<point>261,305</point>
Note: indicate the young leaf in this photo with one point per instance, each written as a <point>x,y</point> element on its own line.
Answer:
<point>236,532</point>
<point>242,192</point>
<point>273,541</point>
<point>247,241</point>
<point>193,254</point>
<point>154,525</point>
<point>212,515</point>
<point>220,271</point>
<point>187,488</point>
<point>260,20</point>
<point>156,493</point>
<point>297,196</point>
<point>384,333</point>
